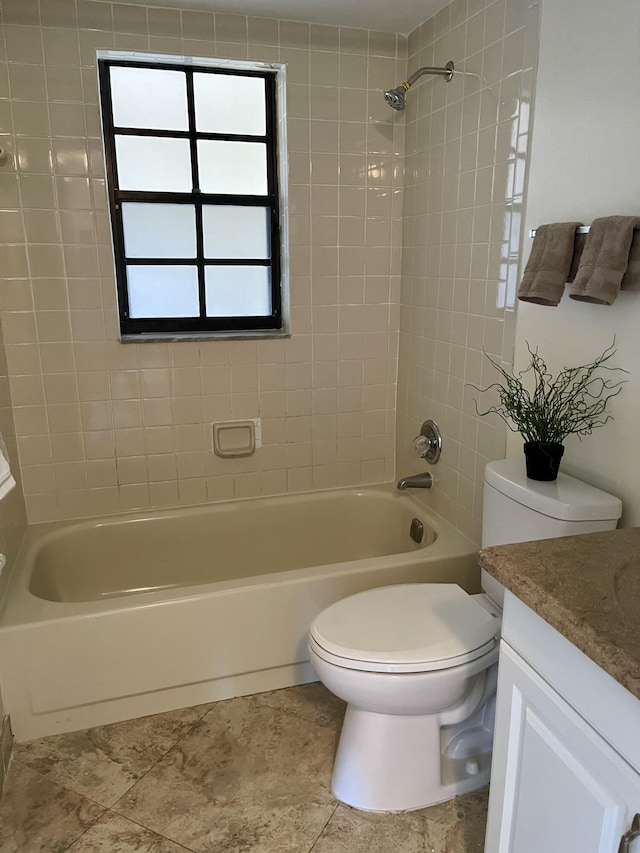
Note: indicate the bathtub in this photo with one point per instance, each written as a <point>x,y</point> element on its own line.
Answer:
<point>115,618</point>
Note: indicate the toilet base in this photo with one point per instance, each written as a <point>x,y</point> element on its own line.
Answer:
<point>398,762</point>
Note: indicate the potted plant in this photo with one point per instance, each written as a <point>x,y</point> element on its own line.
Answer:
<point>574,402</point>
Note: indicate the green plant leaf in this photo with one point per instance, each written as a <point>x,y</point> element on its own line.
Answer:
<point>574,402</point>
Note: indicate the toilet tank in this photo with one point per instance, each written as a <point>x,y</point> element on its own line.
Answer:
<point>517,509</point>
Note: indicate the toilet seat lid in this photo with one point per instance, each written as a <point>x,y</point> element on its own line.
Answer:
<point>405,628</point>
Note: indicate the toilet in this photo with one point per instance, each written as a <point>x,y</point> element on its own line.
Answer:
<point>417,663</point>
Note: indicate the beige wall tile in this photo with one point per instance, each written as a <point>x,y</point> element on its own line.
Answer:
<point>452,296</point>
<point>231,28</point>
<point>165,22</point>
<point>61,46</point>
<point>92,413</point>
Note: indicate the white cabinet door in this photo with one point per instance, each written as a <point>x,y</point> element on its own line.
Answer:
<point>556,785</point>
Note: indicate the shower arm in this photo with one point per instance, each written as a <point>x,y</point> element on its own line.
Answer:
<point>395,97</point>
<point>447,72</point>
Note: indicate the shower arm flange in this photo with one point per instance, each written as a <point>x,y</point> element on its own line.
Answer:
<point>446,72</point>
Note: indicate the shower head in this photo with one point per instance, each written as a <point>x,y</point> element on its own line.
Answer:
<point>396,97</point>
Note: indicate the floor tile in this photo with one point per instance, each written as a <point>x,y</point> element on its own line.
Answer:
<point>104,762</point>
<point>454,827</point>
<point>246,779</point>
<point>352,831</point>
<point>459,825</point>
<point>39,816</point>
<point>114,833</point>
<point>310,701</point>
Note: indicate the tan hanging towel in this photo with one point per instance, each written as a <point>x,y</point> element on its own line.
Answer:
<point>549,263</point>
<point>604,260</point>
<point>631,279</point>
<point>578,249</point>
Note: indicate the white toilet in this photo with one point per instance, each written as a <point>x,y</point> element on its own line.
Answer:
<point>417,663</point>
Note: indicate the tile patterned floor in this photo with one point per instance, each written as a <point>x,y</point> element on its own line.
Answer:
<point>249,775</point>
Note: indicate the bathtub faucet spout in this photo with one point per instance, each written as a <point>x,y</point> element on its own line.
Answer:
<point>417,481</point>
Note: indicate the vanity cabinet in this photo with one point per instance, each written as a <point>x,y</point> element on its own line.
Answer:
<point>562,780</point>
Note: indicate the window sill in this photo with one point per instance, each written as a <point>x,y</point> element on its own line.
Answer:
<point>159,337</point>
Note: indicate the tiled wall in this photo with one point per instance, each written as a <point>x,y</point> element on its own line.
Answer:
<point>104,427</point>
<point>466,147</point>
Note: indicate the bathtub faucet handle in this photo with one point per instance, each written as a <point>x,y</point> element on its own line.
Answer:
<point>428,445</point>
<point>420,445</point>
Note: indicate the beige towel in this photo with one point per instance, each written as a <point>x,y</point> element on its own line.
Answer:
<point>549,263</point>
<point>604,259</point>
<point>631,280</point>
<point>578,249</point>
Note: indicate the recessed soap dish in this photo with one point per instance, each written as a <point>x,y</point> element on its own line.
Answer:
<point>234,438</point>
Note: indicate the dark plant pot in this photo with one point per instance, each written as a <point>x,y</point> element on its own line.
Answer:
<point>543,459</point>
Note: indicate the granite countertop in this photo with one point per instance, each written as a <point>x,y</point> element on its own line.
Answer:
<point>586,587</point>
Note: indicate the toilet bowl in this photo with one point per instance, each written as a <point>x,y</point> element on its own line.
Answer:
<point>417,663</point>
<point>420,690</point>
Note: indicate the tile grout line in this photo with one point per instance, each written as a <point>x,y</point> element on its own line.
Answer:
<point>106,809</point>
<point>96,802</point>
<point>247,699</point>
<point>155,763</point>
<point>152,831</point>
<point>71,791</point>
<point>312,848</point>
<point>122,817</point>
<point>276,708</point>
<point>292,713</point>
<point>58,784</point>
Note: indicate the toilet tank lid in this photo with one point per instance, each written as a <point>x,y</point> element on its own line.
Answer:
<point>565,499</point>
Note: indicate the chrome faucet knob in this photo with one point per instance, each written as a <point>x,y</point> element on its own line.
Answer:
<point>428,444</point>
<point>421,445</point>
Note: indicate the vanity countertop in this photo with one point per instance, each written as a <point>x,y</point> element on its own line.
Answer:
<point>586,587</point>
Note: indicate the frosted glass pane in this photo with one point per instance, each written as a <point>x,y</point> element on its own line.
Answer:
<point>159,230</point>
<point>231,231</point>
<point>238,291</point>
<point>163,291</point>
<point>229,104</point>
<point>237,168</point>
<point>149,98</point>
<point>153,163</point>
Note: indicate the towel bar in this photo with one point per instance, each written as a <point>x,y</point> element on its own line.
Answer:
<point>583,229</point>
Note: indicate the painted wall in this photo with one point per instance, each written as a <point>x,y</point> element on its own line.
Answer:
<point>104,427</point>
<point>466,156</point>
<point>585,163</point>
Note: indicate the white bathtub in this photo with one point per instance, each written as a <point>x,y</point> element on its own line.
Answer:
<point>109,619</point>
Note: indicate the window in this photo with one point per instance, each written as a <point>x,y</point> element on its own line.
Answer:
<point>192,168</point>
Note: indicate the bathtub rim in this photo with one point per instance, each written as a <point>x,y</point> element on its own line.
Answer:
<point>20,606</point>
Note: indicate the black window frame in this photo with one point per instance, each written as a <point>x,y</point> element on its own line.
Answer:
<point>202,325</point>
